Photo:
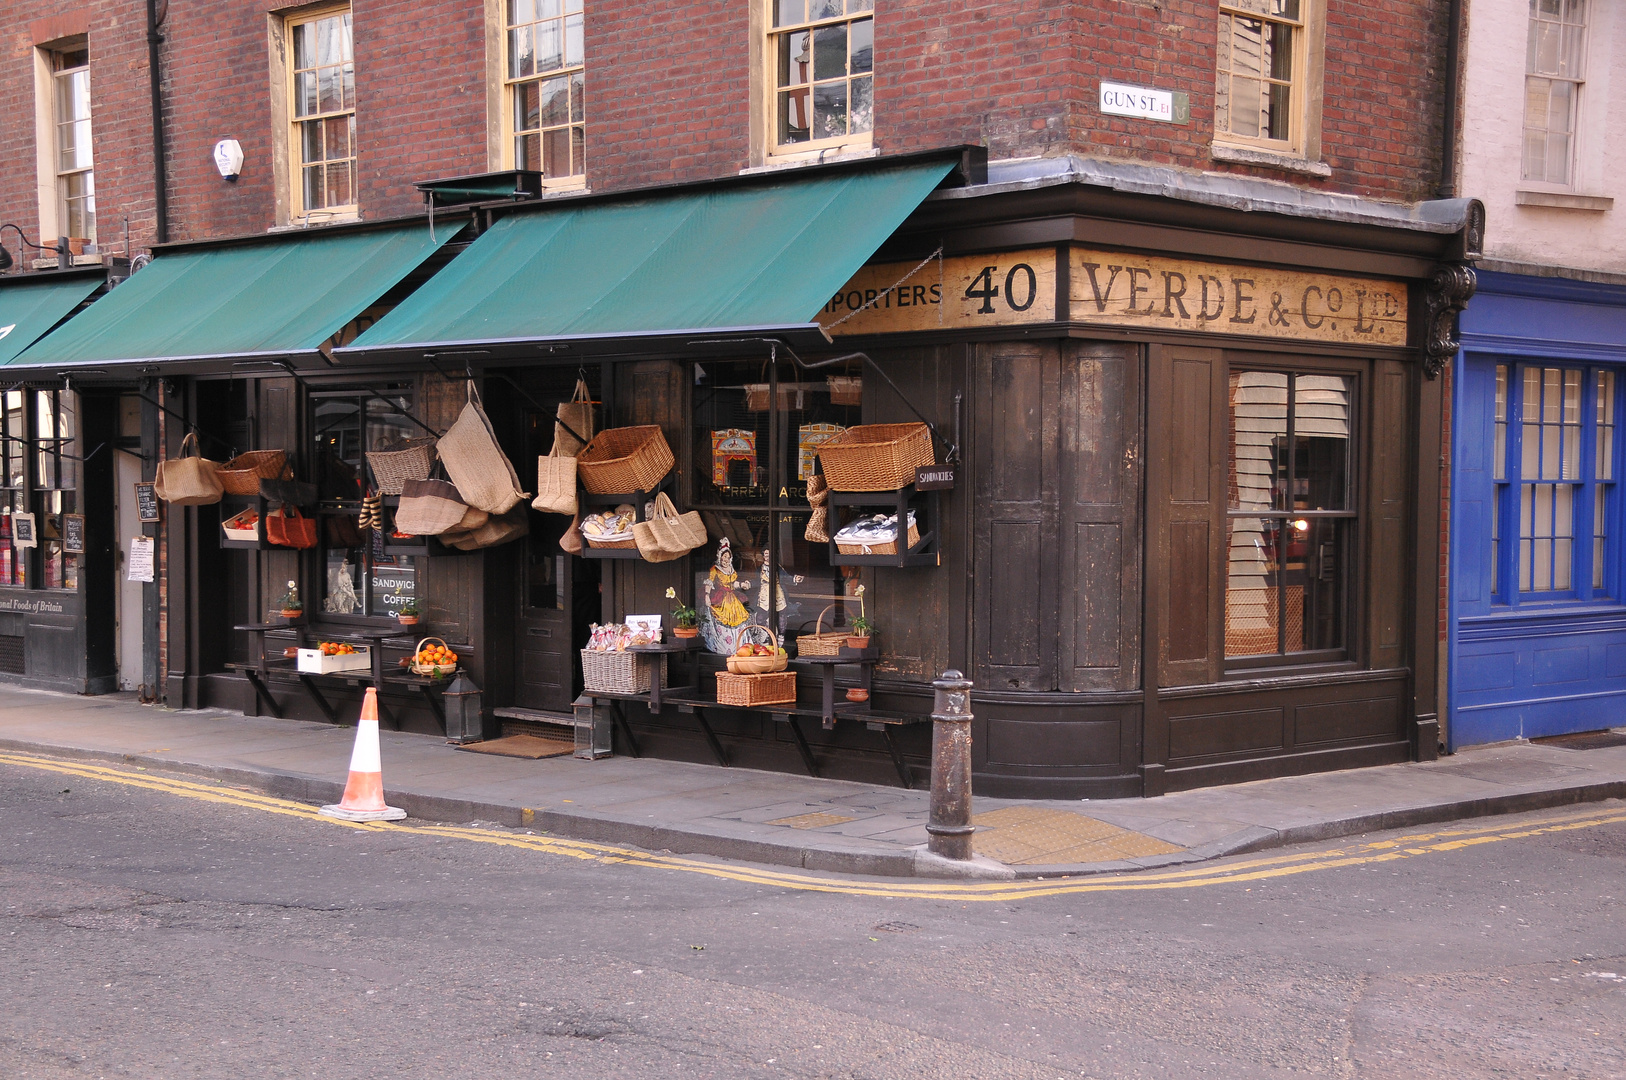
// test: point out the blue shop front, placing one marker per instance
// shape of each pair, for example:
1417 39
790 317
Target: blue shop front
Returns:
1537 632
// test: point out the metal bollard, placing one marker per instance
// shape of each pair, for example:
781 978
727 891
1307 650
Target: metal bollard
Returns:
949 829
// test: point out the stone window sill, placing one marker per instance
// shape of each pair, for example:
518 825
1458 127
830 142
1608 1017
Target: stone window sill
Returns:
1563 200
857 152
1241 155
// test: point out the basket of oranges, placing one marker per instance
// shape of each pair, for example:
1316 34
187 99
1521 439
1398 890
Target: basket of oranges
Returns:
433 657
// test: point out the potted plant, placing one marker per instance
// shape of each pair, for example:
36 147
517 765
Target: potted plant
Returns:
685 622
860 629
292 606
409 613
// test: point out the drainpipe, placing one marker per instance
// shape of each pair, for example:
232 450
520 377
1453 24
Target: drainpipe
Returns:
1448 154
157 11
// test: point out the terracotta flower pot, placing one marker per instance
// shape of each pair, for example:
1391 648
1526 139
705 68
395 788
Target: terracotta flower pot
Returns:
857 694
293 613
407 620
686 631
857 642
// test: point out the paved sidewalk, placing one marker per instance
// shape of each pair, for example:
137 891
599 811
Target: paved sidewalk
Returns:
788 820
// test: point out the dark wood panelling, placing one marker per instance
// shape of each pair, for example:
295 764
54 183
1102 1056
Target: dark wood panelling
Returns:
1058 744
1368 718
1387 574
1098 462
1211 734
1015 484
1186 419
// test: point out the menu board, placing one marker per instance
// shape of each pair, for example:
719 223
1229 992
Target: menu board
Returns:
73 534
146 502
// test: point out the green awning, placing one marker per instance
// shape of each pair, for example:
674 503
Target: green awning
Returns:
740 255
275 297
30 306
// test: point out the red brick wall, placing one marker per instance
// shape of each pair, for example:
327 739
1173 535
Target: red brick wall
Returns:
668 99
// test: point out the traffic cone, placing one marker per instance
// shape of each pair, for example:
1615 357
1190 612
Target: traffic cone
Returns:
364 790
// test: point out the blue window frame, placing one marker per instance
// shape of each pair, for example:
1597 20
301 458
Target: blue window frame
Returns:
1554 466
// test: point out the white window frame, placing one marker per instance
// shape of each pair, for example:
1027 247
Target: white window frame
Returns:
1577 81
766 148
286 152
506 84
49 174
1303 142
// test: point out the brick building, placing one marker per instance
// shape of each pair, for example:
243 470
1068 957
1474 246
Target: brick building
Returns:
1168 281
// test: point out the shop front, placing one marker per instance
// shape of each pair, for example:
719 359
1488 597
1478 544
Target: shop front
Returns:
1537 631
1150 467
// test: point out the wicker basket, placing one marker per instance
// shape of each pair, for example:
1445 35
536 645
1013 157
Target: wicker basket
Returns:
393 468
748 691
620 672
790 397
624 460
757 665
876 457
821 642
431 669
845 389
243 473
888 548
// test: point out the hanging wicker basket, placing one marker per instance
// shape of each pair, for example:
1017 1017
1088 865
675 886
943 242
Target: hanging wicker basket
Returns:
243 473
624 460
393 468
876 457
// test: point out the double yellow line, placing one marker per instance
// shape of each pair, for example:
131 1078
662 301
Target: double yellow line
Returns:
1244 870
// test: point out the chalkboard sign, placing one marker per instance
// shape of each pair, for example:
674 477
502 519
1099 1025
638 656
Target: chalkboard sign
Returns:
22 531
146 502
73 534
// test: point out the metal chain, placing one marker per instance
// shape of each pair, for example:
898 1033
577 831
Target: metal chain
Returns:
866 305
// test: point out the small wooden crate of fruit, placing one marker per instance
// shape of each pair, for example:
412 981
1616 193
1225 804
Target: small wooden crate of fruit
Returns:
331 656
244 525
434 658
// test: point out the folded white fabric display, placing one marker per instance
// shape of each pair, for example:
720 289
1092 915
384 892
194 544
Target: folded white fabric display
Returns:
872 529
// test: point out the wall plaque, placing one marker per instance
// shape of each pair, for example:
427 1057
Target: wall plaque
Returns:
1224 298
1010 288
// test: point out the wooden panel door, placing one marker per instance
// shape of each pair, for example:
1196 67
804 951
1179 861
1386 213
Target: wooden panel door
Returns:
1014 526
1186 442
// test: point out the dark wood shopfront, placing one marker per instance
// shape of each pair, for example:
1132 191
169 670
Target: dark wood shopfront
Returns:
1180 549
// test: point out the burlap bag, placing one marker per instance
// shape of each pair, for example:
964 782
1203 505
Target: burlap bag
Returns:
428 508
188 480
575 415
555 483
484 476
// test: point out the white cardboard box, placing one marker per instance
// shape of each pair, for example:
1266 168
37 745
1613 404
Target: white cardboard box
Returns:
312 662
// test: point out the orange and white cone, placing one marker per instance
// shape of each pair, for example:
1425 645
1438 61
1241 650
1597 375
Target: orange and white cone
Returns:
364 790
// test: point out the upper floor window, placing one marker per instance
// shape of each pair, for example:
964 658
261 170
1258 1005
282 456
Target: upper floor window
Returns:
545 77
822 56
1553 468
1260 90
1555 65
323 87
73 165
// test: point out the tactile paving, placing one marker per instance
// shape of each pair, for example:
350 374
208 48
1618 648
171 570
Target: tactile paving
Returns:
1026 835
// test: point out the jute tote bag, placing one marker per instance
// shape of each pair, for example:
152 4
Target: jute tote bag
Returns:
484 476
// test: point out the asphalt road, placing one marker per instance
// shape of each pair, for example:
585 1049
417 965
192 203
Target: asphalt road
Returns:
152 934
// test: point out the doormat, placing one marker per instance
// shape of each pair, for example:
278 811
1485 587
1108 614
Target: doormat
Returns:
1585 740
523 746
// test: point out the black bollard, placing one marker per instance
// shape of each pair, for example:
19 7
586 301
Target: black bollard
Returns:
949 830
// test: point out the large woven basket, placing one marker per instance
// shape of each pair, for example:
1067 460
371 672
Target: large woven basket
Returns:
821 642
624 460
888 548
242 474
876 457
621 672
748 691
393 468
845 389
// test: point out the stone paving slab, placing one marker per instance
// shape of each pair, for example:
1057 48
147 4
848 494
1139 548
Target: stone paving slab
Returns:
704 809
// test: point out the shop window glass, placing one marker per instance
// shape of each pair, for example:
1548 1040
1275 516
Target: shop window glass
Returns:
14 500
1554 472
739 463
1291 515
56 481
358 577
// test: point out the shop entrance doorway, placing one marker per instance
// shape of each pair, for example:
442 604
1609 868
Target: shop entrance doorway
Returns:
558 596
129 615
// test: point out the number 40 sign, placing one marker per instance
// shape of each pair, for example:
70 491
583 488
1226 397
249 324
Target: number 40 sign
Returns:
969 290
